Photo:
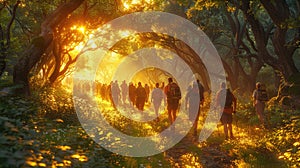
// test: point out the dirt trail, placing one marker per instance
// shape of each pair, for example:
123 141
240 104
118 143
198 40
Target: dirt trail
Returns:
188 153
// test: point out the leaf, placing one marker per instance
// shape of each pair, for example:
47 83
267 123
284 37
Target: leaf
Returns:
59 120
5 118
9 125
11 138
31 163
4 154
18 155
296 144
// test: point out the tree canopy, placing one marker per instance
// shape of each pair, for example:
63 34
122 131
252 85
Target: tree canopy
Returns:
45 79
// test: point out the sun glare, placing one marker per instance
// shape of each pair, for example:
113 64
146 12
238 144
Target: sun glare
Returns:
79 28
126 6
79 47
82 29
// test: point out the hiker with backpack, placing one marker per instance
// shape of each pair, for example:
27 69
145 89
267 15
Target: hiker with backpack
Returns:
173 93
259 97
228 110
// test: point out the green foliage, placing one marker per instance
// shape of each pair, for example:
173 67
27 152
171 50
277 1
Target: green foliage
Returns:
14 138
285 138
267 76
295 81
265 146
29 139
5 80
56 103
42 131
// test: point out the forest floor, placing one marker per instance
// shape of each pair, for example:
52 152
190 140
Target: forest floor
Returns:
33 137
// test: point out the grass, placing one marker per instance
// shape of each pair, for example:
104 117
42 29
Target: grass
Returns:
35 134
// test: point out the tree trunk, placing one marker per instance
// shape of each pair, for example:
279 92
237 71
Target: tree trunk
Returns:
38 46
5 40
29 58
279 13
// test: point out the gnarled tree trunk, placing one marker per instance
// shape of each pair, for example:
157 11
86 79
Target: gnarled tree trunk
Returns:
38 46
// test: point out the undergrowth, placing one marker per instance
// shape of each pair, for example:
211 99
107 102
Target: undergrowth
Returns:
43 131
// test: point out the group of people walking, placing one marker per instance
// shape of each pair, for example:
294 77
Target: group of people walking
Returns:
138 95
259 97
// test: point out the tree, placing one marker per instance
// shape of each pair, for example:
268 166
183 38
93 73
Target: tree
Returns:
262 32
5 31
278 33
59 58
38 45
151 39
227 30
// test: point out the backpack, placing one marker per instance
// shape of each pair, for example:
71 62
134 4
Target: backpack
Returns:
173 91
229 98
262 93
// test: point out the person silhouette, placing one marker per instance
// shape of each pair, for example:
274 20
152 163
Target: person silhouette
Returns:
124 91
228 110
157 95
140 97
192 104
132 94
173 94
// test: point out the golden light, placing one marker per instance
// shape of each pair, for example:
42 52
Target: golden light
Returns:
79 47
42 165
129 4
31 163
124 33
126 5
92 44
81 29
67 162
74 27
63 148
81 158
